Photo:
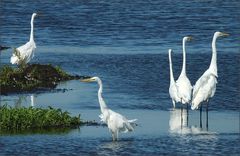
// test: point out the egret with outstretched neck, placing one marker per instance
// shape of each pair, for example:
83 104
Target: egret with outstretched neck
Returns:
205 87
173 92
23 54
116 122
183 84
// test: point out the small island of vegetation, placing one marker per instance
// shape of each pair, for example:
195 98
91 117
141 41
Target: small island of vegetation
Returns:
19 119
32 77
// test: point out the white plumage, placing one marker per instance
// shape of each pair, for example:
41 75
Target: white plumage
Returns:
116 122
173 92
205 86
24 53
184 86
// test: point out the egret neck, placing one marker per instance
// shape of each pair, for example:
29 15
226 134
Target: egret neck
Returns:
183 72
103 106
213 65
31 34
170 66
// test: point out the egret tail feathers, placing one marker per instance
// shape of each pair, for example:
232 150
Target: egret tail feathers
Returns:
14 59
133 120
128 127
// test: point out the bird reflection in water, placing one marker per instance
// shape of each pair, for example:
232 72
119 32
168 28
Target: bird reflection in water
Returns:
19 101
109 147
23 100
32 97
179 124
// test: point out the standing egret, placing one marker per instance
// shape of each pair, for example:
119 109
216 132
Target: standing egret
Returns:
205 87
23 54
183 84
172 88
116 122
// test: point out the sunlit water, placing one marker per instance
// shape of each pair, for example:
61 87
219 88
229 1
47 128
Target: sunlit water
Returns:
125 43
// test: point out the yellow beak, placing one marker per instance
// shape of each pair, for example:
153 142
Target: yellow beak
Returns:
87 80
225 34
190 38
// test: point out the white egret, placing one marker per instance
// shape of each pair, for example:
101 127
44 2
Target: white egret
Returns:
116 122
205 87
23 54
173 92
183 84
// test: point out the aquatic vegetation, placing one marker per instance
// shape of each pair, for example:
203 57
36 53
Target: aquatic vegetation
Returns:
19 119
32 77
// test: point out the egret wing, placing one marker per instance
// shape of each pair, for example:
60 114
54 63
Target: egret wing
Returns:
205 88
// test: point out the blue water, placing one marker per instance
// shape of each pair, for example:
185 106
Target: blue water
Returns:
125 43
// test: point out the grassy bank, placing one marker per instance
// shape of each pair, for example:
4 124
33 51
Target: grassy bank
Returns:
20 119
32 77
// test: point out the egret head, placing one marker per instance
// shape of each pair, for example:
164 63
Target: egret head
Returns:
187 38
92 79
34 14
169 51
220 34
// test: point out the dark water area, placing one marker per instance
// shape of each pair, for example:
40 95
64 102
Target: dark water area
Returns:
163 145
126 44
136 25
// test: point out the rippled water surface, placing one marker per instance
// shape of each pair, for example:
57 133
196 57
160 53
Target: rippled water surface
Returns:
125 43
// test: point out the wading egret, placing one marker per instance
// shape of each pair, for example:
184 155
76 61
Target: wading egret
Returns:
183 84
23 54
116 122
205 86
172 88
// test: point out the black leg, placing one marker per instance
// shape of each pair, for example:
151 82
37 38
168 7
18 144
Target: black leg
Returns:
207 117
201 116
181 116
187 115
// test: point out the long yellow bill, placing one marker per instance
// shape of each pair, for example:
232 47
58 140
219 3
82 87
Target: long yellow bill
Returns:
225 34
87 80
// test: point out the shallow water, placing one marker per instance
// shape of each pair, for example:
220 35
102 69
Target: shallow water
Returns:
126 45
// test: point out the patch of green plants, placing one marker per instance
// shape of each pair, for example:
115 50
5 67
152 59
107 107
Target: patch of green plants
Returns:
21 119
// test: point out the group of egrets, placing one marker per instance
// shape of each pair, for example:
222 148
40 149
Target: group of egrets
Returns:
180 91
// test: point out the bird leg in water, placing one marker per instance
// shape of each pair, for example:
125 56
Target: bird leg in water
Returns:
201 116
115 136
181 116
187 114
173 104
207 116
